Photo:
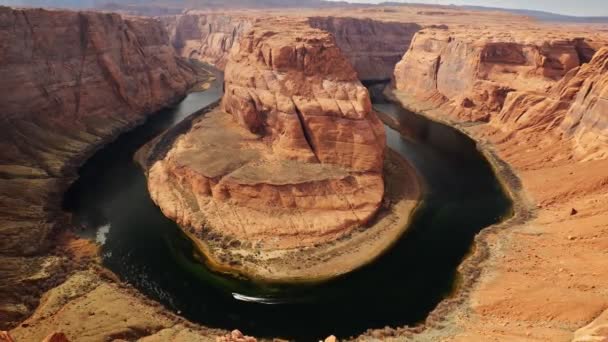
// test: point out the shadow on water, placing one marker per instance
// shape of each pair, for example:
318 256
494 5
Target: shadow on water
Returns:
147 250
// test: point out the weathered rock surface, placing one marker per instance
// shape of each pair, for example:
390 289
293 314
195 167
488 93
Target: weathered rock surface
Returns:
207 37
70 82
373 47
470 73
575 107
297 89
293 158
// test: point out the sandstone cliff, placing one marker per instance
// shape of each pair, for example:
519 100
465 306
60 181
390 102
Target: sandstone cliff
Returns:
469 73
70 82
373 47
297 88
575 107
293 159
204 36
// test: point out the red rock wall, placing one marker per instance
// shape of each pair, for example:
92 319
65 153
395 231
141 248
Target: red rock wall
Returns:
206 37
514 81
294 85
70 82
575 107
469 74
373 47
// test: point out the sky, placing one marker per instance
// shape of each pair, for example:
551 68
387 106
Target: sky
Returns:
567 7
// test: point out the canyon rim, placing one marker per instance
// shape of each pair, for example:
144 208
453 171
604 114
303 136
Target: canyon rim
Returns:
296 139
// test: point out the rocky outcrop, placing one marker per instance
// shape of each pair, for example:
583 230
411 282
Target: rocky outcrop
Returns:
303 94
469 74
587 117
71 81
574 107
206 37
373 47
293 158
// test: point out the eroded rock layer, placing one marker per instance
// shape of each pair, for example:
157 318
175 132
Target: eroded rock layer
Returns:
373 47
575 107
204 36
70 82
470 73
297 89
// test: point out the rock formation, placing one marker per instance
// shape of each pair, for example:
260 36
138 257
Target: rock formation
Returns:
297 88
469 74
204 36
306 143
293 159
373 47
575 107
71 81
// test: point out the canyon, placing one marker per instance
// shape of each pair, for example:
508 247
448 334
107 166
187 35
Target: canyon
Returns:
532 95
71 82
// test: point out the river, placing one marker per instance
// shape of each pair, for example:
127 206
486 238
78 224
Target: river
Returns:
462 196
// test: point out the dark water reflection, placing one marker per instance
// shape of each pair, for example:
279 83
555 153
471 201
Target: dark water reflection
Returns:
402 287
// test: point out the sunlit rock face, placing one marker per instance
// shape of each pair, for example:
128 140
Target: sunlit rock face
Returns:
293 157
302 92
470 73
373 47
575 107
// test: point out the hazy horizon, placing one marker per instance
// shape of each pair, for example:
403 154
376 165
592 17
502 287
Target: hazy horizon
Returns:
591 8
565 7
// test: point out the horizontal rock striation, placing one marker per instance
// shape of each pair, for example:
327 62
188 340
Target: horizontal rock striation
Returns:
575 107
469 73
70 82
516 83
587 117
548 124
373 47
206 37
